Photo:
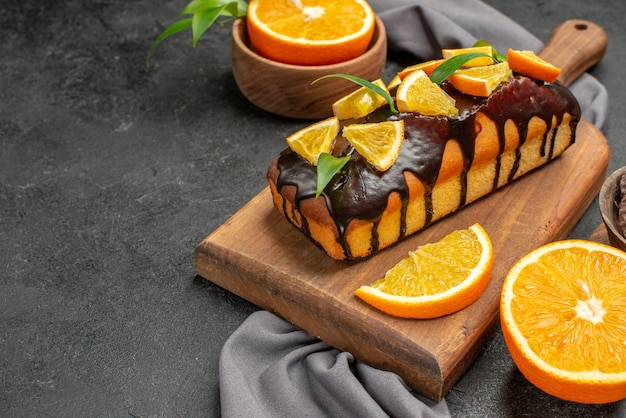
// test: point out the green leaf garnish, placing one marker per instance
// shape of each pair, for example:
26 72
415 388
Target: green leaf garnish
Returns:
496 55
176 27
449 66
203 14
327 166
233 7
201 21
364 83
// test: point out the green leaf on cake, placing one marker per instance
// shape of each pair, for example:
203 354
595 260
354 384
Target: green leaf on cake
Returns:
449 66
327 166
498 56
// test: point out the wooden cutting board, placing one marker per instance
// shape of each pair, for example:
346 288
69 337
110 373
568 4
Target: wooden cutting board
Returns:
259 256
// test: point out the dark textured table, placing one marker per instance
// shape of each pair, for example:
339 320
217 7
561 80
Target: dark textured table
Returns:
111 173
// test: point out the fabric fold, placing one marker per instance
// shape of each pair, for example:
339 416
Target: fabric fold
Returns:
268 367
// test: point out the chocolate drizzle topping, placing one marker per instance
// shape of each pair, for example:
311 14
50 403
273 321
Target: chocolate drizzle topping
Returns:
359 191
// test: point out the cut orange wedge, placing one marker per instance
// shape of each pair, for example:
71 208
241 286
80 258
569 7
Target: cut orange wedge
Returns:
311 141
563 315
529 64
395 82
436 279
418 93
428 67
476 62
359 103
480 81
310 32
379 143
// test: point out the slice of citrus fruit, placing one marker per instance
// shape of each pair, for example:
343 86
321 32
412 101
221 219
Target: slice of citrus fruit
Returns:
311 141
394 82
437 279
480 81
529 64
563 316
310 32
417 93
428 67
379 143
359 103
476 62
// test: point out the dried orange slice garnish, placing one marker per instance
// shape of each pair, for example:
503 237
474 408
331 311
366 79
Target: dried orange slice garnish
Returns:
480 81
529 64
476 62
311 141
417 93
379 143
563 315
436 279
310 32
359 103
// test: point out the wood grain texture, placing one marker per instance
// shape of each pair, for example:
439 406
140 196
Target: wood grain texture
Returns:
575 46
608 200
259 256
287 90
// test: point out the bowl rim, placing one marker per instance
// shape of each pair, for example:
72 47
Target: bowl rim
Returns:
379 39
607 200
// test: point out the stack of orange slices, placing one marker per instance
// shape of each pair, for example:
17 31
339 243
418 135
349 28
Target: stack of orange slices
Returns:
380 143
480 76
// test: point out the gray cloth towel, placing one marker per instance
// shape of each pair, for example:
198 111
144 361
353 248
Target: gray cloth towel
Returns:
268 367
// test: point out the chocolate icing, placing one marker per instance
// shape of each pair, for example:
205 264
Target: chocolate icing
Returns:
359 191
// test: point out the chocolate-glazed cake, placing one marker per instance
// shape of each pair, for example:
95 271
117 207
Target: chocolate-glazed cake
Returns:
445 163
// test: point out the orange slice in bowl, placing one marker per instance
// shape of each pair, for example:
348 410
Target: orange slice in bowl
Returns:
314 32
563 316
437 279
529 64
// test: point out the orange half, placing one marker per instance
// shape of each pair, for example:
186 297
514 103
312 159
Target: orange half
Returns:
563 316
310 32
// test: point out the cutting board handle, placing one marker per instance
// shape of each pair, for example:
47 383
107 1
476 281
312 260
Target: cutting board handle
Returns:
575 46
